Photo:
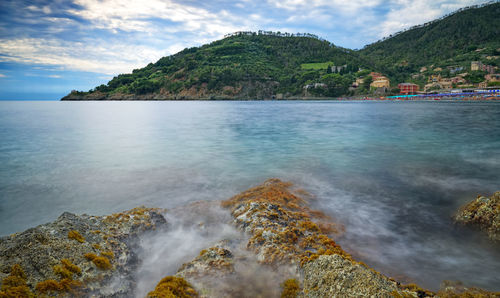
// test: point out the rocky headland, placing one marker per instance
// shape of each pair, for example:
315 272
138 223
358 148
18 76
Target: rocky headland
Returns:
283 248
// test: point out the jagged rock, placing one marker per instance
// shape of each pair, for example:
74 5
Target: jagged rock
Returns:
282 238
216 260
483 212
334 276
227 270
285 230
91 243
282 227
451 289
209 269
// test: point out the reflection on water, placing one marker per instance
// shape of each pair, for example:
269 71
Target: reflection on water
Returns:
392 172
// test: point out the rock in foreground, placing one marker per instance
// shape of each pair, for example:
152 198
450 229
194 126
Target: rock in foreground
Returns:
76 255
282 246
296 243
288 244
332 275
484 213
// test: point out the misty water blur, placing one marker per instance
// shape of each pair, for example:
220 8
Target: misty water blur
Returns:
190 230
392 172
199 226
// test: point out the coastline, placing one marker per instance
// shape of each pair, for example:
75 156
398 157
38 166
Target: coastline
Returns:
277 237
449 99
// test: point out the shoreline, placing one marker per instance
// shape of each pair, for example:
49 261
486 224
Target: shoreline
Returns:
340 99
275 234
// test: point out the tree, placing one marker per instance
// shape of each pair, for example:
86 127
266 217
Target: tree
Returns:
475 77
366 82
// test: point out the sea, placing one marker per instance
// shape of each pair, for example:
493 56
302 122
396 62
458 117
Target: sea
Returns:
393 173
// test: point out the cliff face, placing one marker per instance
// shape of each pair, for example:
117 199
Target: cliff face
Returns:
241 91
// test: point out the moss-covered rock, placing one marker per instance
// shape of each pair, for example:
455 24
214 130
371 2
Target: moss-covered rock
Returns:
283 229
484 213
291 288
451 289
14 285
334 276
208 270
53 255
173 287
216 260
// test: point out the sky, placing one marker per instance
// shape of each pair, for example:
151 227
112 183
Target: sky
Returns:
50 47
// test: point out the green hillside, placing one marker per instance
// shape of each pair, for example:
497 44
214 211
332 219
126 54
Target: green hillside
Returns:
465 36
258 65
245 65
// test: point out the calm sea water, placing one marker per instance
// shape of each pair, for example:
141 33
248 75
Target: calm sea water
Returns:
392 172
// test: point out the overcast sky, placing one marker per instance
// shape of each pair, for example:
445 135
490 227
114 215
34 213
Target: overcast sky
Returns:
49 47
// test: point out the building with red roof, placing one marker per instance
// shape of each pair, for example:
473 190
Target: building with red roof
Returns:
408 88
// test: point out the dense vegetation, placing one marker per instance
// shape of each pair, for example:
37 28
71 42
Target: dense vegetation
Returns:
256 65
456 39
265 64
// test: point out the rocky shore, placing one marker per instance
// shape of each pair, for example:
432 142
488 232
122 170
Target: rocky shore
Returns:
284 248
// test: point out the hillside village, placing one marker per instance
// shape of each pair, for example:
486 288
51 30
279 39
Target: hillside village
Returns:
429 79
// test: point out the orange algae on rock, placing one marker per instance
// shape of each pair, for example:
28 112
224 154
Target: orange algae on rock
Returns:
90 256
52 286
108 254
48 286
291 288
75 235
172 286
67 284
282 226
100 261
62 271
138 214
415 288
15 285
273 190
67 269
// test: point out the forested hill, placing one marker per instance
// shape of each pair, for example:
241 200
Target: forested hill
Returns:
244 65
450 37
263 65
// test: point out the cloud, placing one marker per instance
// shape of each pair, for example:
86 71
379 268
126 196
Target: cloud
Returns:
137 15
2 76
113 36
106 58
44 9
346 6
116 36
